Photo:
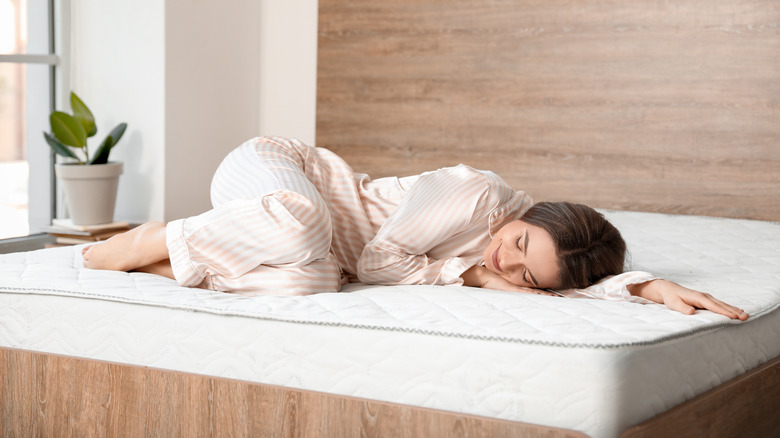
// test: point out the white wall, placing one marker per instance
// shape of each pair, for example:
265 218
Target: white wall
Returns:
117 68
192 79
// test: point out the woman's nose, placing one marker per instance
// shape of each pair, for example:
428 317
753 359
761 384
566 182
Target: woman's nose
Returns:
512 262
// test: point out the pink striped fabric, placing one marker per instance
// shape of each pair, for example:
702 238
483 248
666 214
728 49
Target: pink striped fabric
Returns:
293 219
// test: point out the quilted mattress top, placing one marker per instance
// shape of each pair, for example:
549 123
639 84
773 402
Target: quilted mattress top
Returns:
737 261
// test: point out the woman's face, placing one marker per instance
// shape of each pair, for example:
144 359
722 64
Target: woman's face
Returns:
523 254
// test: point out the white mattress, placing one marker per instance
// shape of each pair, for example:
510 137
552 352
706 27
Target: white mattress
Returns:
588 365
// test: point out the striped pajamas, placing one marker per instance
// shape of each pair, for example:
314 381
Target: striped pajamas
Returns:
294 219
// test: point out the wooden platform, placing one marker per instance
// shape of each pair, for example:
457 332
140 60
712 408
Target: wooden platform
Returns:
52 395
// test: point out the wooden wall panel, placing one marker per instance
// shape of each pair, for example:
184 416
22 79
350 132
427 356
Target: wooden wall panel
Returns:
642 105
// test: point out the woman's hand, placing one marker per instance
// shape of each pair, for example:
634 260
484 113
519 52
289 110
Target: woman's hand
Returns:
684 300
479 276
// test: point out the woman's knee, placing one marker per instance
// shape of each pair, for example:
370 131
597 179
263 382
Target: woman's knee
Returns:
241 174
261 166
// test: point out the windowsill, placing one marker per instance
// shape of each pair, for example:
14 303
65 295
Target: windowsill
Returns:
27 243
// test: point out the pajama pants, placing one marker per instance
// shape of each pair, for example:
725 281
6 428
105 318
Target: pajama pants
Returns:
268 233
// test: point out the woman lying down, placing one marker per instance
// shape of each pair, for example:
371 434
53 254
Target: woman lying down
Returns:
294 219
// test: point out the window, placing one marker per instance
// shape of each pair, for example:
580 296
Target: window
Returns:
27 64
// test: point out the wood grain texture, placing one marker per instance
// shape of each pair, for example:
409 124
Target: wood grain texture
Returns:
745 406
645 105
50 395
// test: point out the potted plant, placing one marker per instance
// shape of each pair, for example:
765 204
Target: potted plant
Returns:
90 181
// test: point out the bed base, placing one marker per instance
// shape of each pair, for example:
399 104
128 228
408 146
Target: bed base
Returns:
747 405
54 395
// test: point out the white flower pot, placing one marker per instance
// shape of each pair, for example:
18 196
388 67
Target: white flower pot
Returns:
90 191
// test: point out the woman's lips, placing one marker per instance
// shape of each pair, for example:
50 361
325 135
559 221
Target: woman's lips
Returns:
495 259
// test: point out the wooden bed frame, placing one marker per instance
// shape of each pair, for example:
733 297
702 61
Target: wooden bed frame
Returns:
653 106
52 395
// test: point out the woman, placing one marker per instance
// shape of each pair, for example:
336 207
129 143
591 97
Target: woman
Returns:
294 219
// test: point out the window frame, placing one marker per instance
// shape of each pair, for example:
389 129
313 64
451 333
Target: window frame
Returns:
58 24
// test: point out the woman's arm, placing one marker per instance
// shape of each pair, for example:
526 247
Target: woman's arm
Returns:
645 288
641 286
449 205
682 299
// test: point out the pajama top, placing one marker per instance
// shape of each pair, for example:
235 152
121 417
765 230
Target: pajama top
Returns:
422 229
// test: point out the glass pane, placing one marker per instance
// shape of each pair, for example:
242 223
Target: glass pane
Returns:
14 170
24 27
24 156
25 172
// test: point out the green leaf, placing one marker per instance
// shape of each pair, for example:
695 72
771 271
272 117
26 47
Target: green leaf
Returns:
83 115
101 156
58 147
117 133
67 130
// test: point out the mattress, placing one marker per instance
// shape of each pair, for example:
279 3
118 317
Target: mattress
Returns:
587 365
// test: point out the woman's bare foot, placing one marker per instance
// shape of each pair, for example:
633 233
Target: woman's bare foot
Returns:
141 246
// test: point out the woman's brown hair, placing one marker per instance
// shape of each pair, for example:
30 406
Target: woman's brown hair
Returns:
588 246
